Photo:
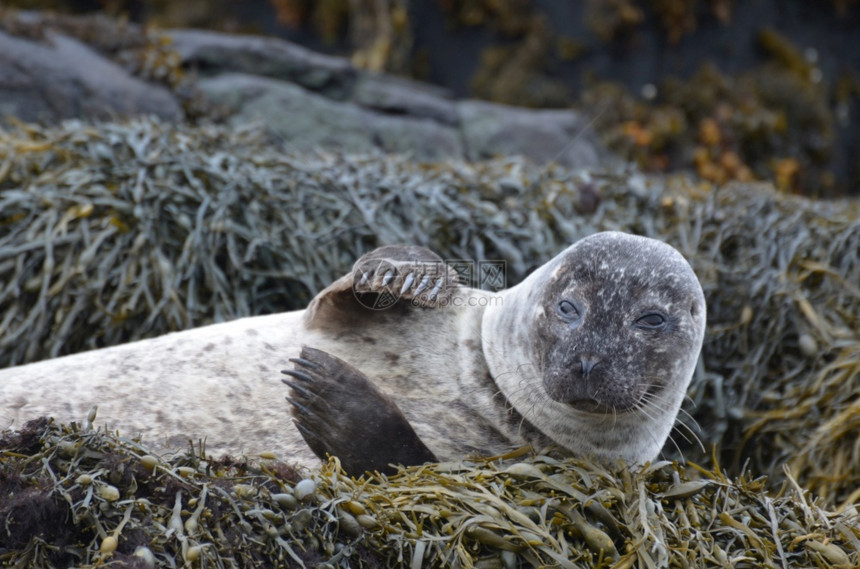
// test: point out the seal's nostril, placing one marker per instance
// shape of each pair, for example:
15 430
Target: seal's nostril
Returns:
587 364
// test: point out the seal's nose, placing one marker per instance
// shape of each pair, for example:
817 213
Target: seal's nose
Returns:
587 363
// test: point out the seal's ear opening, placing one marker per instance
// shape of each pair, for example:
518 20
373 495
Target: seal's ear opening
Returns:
332 305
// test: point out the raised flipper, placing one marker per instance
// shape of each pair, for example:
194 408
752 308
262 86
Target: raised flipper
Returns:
338 411
390 277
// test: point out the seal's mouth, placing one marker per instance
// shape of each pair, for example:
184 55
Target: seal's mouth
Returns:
602 397
595 407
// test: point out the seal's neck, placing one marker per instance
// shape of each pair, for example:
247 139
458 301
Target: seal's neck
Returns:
507 325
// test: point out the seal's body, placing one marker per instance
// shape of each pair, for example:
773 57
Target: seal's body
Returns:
223 383
218 382
592 352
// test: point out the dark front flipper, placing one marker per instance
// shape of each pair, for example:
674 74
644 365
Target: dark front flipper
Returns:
387 278
340 412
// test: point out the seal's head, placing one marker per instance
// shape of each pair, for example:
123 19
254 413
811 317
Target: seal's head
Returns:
602 345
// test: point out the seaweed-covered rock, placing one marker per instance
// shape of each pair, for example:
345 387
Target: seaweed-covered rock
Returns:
116 231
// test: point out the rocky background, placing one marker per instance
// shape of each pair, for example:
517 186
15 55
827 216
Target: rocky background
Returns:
743 91
59 67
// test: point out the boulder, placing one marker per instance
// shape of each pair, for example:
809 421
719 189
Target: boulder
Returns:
211 53
307 120
60 78
316 100
399 96
562 136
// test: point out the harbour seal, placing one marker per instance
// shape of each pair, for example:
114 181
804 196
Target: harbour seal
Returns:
592 352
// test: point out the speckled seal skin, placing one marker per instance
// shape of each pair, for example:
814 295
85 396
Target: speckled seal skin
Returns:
615 327
592 352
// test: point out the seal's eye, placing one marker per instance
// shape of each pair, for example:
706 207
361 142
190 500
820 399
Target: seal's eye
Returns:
568 311
652 321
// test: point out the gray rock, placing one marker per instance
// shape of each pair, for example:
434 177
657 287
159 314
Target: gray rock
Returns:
310 99
396 95
211 53
422 139
391 113
561 136
308 120
305 120
61 78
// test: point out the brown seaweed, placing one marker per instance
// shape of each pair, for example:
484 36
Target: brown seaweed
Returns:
94 499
